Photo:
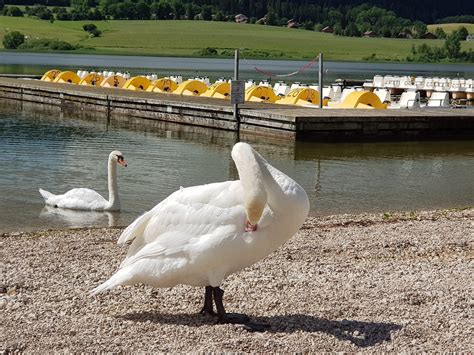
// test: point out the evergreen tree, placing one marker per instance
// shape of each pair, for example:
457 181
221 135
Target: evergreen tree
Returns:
272 19
178 9
191 10
462 33
439 32
206 12
452 45
419 29
143 11
162 10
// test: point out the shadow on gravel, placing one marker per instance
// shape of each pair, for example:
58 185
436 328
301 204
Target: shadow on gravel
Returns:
362 334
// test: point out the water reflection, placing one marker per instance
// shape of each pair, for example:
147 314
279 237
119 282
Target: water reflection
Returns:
74 219
43 146
382 150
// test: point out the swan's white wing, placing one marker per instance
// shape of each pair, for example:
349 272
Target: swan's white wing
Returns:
79 199
197 249
185 215
135 229
185 255
190 239
222 194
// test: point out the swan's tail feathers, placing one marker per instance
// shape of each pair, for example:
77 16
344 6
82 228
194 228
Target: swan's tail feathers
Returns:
122 277
46 194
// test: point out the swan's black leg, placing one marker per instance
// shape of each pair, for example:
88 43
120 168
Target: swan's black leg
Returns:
234 318
208 308
221 313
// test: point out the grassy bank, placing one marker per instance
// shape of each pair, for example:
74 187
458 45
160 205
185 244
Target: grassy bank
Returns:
189 38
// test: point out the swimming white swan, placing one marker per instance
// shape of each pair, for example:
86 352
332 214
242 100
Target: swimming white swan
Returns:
87 199
199 235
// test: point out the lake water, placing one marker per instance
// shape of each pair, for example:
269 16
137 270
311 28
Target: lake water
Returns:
39 63
57 151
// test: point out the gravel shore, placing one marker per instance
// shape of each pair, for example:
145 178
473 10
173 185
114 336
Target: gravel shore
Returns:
374 282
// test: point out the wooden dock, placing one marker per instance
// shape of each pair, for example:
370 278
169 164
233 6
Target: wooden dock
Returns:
290 122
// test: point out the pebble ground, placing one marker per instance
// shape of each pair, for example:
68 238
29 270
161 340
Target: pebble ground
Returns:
397 282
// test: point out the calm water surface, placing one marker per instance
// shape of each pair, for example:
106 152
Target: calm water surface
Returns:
39 63
58 151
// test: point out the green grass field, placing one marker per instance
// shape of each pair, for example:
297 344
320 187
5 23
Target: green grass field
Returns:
450 27
187 38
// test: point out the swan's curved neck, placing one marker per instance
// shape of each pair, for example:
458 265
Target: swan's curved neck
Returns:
114 200
262 183
273 181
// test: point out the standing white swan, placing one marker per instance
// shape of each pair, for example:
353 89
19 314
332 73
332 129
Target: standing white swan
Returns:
199 235
87 199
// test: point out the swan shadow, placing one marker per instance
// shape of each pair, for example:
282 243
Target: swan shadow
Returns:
361 334
77 218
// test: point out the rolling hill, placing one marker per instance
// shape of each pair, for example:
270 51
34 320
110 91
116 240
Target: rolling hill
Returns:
191 38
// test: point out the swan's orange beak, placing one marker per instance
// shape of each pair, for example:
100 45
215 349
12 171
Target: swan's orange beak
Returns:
122 162
249 227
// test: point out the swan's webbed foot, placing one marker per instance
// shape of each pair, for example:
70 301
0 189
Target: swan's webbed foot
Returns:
234 318
207 312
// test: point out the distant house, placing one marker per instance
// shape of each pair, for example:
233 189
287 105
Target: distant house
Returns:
470 38
262 21
428 35
292 23
369 34
241 18
328 29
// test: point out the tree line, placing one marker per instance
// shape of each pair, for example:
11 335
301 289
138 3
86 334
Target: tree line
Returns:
344 20
347 20
428 11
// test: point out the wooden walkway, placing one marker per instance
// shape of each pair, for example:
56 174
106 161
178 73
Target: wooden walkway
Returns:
291 122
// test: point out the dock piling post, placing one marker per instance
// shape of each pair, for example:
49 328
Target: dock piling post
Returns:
320 80
236 77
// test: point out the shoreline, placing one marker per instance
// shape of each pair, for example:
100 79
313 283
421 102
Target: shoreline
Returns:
21 58
344 218
105 53
367 282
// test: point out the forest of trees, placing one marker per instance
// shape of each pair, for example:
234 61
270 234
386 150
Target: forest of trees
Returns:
345 20
427 11
457 19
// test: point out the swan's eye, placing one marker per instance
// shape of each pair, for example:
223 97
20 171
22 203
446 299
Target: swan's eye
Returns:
119 158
